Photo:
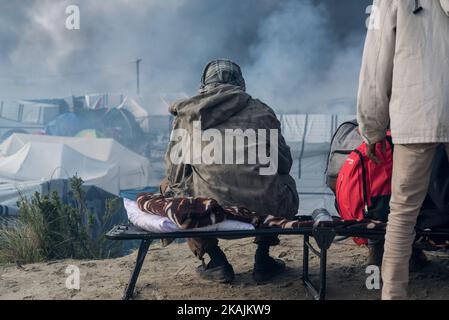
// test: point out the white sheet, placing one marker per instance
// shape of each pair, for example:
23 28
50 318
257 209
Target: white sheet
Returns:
157 224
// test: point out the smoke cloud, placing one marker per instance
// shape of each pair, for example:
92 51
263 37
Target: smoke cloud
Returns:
297 55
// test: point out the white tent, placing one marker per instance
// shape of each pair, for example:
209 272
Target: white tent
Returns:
309 137
29 112
41 161
119 101
100 100
141 115
101 162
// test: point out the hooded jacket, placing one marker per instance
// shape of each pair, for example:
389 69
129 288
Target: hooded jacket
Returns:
229 107
404 80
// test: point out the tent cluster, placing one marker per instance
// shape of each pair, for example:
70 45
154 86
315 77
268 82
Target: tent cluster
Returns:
122 147
104 139
113 116
28 160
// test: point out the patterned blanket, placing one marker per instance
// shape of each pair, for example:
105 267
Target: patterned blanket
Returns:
190 213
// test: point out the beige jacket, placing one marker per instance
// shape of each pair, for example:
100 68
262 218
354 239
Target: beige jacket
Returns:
404 81
222 108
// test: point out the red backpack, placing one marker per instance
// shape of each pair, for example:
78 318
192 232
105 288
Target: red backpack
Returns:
363 188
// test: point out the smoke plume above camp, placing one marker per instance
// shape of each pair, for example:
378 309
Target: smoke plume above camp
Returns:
297 55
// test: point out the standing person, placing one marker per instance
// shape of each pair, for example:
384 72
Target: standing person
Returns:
404 85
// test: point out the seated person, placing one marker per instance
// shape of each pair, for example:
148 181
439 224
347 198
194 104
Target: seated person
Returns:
211 132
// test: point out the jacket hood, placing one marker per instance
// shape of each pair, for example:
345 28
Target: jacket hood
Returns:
213 107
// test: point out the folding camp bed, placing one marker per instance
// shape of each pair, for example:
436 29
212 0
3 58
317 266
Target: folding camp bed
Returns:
324 237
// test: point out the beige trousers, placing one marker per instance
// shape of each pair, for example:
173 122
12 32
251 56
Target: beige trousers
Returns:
412 168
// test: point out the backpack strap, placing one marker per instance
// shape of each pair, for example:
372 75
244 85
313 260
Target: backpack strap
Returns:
390 141
365 190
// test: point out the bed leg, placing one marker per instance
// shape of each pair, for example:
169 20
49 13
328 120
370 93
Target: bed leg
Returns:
305 262
143 250
324 239
323 275
316 294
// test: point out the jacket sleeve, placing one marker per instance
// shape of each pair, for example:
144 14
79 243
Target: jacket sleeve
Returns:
270 120
285 160
376 74
179 176
285 157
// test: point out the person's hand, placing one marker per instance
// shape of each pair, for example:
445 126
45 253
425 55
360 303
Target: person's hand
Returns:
371 150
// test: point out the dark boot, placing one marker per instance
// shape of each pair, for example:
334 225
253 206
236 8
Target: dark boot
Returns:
265 267
218 269
418 260
375 253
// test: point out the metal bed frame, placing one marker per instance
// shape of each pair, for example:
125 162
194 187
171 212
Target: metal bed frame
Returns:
324 237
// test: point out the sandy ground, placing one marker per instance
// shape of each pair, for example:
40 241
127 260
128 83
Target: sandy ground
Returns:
169 273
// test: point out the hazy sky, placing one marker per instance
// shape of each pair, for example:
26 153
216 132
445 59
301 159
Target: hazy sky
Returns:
296 54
